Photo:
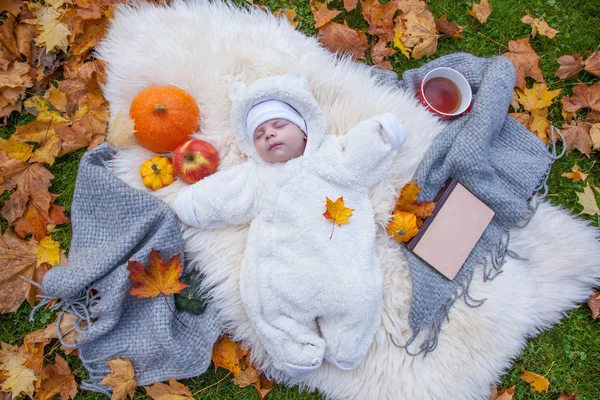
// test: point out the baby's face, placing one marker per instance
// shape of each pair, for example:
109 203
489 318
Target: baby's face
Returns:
279 140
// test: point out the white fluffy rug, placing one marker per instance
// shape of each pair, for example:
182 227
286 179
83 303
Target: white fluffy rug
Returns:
203 48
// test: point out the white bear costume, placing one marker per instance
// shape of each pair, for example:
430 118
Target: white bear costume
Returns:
309 297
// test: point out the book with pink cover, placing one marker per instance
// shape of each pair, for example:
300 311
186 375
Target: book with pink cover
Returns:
448 236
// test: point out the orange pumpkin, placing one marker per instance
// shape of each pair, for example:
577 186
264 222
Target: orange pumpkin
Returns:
164 117
403 226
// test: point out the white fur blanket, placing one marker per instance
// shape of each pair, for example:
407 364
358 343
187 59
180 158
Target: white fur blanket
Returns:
203 48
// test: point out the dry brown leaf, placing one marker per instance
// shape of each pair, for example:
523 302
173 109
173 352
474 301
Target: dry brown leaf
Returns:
12 6
122 378
9 50
322 13
350 5
587 199
593 117
380 52
539 26
525 60
421 35
449 28
35 221
380 18
593 303
18 258
263 386
19 380
583 97
337 37
173 391
481 11
505 394
247 377
523 118
576 174
570 66
67 331
416 6
592 64
577 136
57 379
595 136
13 82
567 396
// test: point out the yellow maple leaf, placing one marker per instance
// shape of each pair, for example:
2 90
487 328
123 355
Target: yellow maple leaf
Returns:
122 379
576 175
54 35
407 201
398 42
537 382
16 149
45 109
536 98
225 355
48 252
539 124
337 212
121 131
19 380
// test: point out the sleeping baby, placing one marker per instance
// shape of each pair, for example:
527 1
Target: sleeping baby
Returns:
310 295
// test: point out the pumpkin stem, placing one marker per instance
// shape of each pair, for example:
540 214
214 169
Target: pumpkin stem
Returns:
160 108
155 169
401 232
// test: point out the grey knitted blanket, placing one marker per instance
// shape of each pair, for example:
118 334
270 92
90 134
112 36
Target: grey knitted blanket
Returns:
113 223
495 158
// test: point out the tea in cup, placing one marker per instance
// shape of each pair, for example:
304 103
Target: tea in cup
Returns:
445 92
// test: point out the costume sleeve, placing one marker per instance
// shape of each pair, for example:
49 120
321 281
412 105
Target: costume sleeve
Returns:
369 148
224 199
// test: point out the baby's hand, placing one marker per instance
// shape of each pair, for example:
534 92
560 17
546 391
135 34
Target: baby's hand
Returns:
391 130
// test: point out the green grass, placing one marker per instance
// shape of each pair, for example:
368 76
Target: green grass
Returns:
569 354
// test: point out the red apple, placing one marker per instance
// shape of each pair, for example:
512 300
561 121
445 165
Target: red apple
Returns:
195 160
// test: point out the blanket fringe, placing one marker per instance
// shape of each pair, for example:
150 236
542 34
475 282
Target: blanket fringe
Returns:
492 267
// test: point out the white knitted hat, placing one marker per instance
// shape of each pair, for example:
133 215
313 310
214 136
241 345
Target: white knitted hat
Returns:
272 109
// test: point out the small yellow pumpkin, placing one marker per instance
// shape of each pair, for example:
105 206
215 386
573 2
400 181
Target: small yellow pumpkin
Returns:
157 172
403 226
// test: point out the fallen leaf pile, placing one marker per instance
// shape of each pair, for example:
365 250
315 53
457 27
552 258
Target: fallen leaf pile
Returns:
408 213
231 356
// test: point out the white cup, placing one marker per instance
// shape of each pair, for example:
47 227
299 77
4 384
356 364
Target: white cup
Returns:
464 90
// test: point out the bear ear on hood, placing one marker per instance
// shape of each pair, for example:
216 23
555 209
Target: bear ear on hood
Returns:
300 77
236 90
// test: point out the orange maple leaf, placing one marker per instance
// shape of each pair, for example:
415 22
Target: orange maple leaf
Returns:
337 212
159 278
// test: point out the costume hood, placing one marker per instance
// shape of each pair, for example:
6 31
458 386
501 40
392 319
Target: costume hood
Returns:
291 88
